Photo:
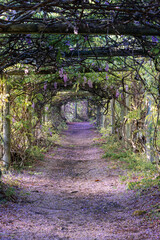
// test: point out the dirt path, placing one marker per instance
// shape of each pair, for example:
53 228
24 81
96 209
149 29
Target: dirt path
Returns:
74 195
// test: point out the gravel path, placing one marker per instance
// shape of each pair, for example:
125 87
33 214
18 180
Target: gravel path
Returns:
75 195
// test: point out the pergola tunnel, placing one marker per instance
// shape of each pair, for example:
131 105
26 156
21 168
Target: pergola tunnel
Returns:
78 108
46 113
63 61
79 119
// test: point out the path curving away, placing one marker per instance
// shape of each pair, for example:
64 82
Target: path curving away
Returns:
75 195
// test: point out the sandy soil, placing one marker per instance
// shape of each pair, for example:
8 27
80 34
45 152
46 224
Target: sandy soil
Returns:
75 195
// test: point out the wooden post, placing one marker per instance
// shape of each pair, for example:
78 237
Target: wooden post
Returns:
1 125
113 116
149 128
7 128
98 117
122 121
103 120
87 106
127 126
76 107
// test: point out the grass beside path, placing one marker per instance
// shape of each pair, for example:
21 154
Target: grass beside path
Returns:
140 175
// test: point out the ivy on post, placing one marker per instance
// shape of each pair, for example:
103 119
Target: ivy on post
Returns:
6 125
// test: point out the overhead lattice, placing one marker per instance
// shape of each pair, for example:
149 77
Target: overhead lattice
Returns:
25 28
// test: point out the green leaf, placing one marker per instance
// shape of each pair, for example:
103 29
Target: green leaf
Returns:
8 116
40 96
58 56
155 51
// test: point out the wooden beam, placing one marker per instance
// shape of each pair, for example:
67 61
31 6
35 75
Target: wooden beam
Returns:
106 52
97 27
51 71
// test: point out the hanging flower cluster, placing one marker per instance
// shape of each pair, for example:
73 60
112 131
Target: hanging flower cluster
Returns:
107 67
55 85
90 84
117 93
64 76
45 86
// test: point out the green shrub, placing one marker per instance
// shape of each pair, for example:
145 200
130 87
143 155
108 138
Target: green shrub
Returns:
141 172
35 153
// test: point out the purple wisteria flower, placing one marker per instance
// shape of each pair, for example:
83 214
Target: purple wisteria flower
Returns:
117 93
68 43
65 78
50 132
85 81
33 105
86 38
75 30
26 71
45 86
28 38
50 48
154 39
55 85
61 72
107 67
90 83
